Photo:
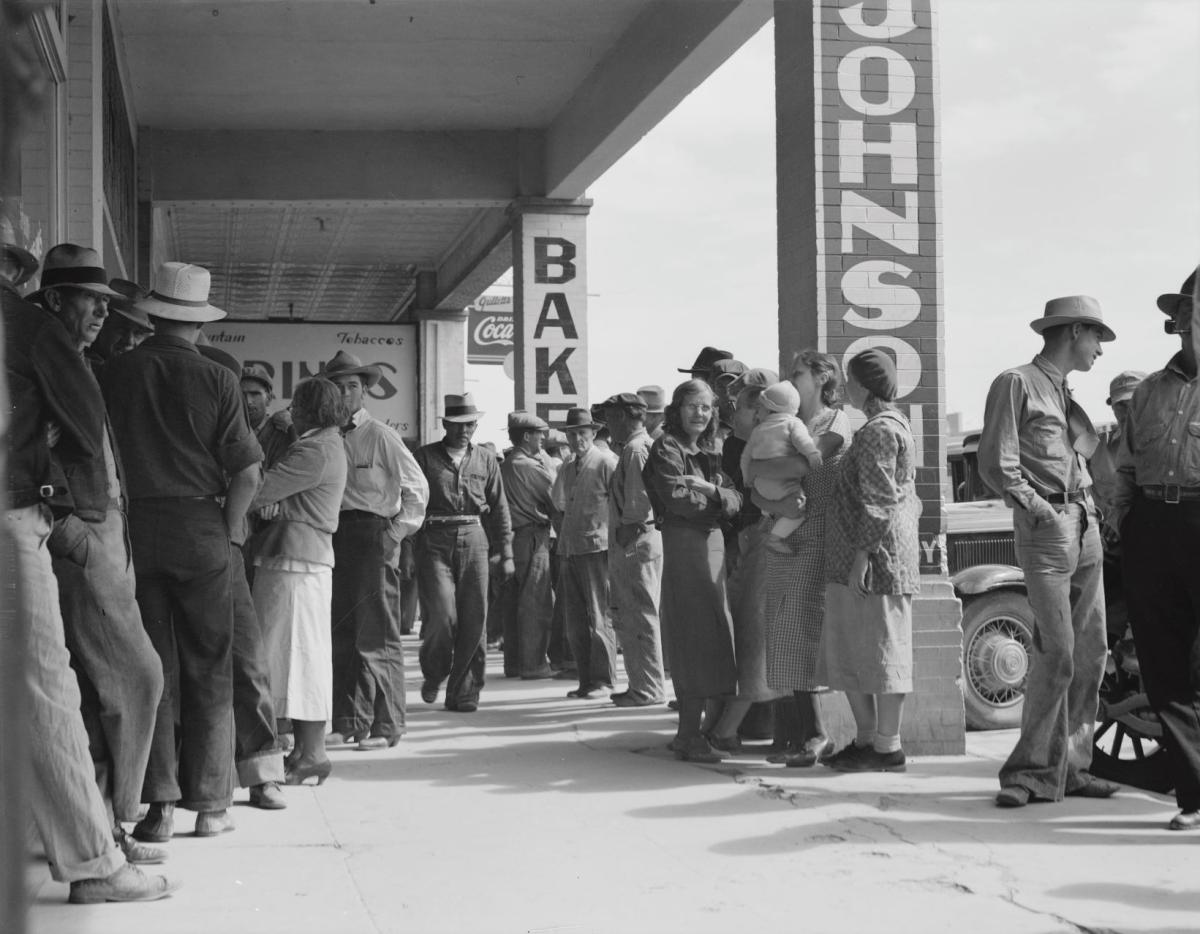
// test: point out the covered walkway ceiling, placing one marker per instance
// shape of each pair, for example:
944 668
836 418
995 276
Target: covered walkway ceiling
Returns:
318 154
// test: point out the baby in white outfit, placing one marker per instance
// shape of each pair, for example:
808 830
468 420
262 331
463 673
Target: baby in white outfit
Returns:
779 433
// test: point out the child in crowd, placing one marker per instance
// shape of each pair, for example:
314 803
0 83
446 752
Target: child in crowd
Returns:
779 433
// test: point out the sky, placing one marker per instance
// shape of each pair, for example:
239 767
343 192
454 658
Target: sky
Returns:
1070 135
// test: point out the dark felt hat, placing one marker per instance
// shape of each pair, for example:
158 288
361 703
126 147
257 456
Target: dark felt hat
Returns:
346 364
128 293
578 417
460 408
1168 302
705 360
78 267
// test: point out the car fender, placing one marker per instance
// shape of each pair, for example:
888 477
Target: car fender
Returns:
984 578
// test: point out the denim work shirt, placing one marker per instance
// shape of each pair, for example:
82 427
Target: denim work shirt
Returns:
1162 436
1029 448
471 487
628 501
382 475
581 495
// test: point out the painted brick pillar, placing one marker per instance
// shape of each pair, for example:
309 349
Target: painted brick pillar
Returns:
550 306
860 261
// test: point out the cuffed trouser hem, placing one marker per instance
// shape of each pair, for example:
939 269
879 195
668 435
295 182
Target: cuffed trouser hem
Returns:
260 767
1033 786
205 805
99 868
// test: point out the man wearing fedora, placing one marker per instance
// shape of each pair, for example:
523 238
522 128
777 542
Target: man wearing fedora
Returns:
193 467
581 495
656 409
124 328
1033 452
467 531
383 504
527 601
1156 511
45 372
119 672
634 555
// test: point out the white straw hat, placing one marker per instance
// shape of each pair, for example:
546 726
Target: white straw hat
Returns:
180 293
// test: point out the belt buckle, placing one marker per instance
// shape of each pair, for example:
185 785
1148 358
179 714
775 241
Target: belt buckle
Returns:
1171 493
46 490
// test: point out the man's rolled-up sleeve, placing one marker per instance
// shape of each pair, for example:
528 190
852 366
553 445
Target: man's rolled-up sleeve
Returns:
237 447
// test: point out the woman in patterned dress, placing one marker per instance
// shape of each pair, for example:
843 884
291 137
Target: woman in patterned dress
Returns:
691 499
871 569
795 583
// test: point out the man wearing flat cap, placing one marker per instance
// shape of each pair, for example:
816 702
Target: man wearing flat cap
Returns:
527 599
72 797
467 532
258 392
383 504
581 495
634 555
193 467
1156 510
1033 452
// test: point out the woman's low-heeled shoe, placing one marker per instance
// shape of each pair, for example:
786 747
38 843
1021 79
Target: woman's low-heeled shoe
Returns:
699 749
298 774
810 754
1185 820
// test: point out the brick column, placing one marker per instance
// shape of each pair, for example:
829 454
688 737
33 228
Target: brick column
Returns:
860 260
550 305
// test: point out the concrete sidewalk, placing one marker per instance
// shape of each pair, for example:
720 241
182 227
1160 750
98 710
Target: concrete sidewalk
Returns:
540 814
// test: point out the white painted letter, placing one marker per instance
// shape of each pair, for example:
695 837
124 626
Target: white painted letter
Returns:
897 20
898 305
901 150
898 230
901 81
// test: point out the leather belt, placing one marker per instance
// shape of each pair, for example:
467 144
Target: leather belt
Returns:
439 521
1171 492
23 499
353 514
1072 496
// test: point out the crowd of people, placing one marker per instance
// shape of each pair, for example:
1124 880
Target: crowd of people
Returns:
214 593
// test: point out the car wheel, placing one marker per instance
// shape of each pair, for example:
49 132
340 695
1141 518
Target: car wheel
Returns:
1127 746
997 635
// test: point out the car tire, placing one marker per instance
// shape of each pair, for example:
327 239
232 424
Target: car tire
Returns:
997 635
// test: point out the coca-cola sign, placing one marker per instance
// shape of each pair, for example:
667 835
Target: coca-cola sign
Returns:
490 329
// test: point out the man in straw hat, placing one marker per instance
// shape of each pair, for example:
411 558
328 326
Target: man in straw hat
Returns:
1033 451
383 504
527 600
45 372
467 530
1156 510
581 495
193 467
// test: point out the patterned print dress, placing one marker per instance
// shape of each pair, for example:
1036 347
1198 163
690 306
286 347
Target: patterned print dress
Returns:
795 583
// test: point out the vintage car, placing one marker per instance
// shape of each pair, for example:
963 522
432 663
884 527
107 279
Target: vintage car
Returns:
998 632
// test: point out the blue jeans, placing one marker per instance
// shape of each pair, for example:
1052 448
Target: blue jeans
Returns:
635 576
1063 561
67 808
183 559
590 634
452 581
120 674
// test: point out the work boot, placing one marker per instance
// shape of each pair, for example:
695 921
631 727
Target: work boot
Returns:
211 823
267 796
127 884
158 826
139 853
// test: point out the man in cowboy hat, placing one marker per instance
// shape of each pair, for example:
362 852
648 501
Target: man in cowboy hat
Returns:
193 467
581 495
467 530
120 673
527 600
1156 509
383 504
1033 451
656 408
703 367
634 555
75 823
125 327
